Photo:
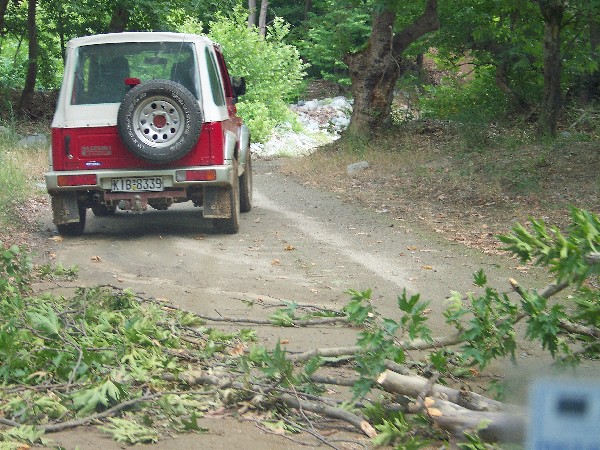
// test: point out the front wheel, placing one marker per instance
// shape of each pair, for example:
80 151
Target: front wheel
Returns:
231 225
102 210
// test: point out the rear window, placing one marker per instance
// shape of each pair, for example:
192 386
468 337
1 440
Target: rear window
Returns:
101 70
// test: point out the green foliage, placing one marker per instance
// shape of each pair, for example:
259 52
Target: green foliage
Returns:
103 347
99 348
379 336
477 100
489 332
15 272
272 69
563 255
130 432
15 184
397 430
334 29
15 437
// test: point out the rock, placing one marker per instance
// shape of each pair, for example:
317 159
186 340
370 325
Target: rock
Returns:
311 105
34 140
340 123
357 167
340 103
322 122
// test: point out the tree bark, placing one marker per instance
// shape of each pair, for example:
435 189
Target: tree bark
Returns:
375 70
307 7
552 12
252 13
3 8
591 83
32 67
262 18
119 19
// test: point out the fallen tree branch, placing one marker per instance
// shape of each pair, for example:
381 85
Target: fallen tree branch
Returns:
417 344
291 400
592 258
566 325
52 428
295 323
505 426
332 412
413 386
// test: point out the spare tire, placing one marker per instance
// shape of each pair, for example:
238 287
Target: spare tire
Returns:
159 121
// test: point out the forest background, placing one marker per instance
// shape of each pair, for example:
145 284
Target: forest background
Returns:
521 61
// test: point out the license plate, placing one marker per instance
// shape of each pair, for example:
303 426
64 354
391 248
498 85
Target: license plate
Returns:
137 184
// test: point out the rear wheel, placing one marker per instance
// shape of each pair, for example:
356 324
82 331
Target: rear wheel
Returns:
231 225
246 186
104 210
73 228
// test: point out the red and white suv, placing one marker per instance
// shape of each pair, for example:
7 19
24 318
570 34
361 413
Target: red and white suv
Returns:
148 119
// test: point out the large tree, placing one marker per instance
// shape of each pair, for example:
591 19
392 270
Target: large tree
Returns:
375 69
553 12
32 66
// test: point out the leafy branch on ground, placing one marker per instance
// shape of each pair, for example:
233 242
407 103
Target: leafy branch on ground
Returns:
139 365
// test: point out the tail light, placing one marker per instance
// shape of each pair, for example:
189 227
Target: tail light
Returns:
77 180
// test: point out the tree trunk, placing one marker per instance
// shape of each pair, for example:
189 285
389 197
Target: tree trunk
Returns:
262 19
32 67
307 7
252 13
503 83
375 70
3 8
119 19
552 12
591 83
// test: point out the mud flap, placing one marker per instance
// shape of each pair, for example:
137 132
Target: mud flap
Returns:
65 208
217 202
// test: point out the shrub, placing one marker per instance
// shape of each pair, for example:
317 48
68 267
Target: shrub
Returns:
478 100
272 69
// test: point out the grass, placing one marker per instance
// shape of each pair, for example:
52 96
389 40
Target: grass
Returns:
20 170
451 176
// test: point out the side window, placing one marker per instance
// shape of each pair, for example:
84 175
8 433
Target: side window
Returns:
216 86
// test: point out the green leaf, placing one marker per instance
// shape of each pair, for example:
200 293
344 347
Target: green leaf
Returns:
130 432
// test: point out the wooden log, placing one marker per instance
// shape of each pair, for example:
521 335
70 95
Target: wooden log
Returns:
413 386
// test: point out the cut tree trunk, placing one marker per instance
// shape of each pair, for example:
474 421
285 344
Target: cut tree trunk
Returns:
457 411
375 70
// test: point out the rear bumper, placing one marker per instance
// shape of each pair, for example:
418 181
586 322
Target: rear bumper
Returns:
173 178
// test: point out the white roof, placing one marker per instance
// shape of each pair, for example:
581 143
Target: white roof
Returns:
105 114
138 36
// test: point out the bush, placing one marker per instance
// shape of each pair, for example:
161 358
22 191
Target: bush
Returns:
475 101
273 69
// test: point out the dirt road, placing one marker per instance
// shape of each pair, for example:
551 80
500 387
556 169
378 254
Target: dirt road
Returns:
297 244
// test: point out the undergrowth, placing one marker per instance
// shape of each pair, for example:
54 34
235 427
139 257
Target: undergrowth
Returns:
20 168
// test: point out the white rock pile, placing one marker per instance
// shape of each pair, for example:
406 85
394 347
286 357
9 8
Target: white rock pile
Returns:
322 122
